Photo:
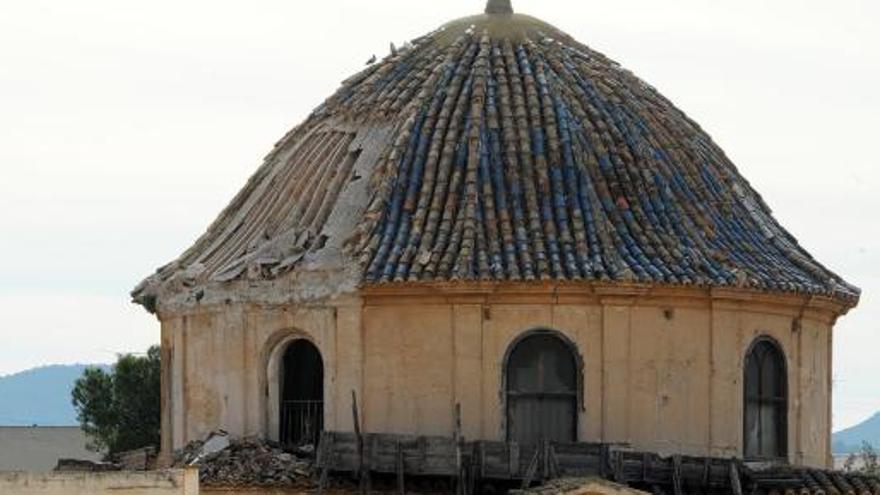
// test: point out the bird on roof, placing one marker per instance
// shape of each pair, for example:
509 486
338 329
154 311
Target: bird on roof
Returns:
502 149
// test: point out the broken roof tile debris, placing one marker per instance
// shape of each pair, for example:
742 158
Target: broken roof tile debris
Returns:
497 148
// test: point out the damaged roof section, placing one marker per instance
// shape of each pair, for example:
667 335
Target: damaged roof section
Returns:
499 149
298 210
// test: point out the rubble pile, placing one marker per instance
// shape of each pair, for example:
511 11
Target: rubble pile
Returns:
245 462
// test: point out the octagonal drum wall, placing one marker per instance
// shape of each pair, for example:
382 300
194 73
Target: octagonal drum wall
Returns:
662 373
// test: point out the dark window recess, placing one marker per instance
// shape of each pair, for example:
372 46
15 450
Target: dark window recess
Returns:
766 403
302 395
353 157
542 391
321 242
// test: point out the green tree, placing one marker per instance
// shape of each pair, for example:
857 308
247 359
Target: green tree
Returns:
119 410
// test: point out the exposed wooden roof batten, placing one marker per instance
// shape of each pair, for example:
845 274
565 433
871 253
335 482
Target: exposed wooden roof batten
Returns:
497 148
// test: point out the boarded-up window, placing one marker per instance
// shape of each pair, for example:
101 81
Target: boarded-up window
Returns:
542 378
766 402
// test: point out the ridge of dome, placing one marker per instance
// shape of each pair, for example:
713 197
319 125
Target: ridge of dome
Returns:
498 27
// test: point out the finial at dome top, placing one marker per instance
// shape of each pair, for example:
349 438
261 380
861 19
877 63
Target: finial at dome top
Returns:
499 7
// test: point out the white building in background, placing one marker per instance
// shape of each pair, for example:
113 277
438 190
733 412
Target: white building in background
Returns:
38 448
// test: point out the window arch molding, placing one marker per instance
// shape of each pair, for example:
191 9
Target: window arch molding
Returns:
765 400
511 349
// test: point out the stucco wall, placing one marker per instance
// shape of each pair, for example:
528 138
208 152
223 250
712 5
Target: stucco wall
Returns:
662 369
172 482
218 361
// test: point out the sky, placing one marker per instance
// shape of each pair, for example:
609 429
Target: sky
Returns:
125 127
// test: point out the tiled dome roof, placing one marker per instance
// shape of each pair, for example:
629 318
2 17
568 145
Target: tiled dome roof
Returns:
499 149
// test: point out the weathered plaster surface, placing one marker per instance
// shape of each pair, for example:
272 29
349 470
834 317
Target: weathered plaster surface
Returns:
662 368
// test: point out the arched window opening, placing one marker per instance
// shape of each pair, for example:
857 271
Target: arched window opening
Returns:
542 381
302 395
766 402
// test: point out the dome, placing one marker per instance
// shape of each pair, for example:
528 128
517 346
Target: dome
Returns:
496 149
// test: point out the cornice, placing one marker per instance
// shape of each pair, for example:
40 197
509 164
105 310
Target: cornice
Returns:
607 294
557 293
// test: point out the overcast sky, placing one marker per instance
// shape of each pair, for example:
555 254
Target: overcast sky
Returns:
126 126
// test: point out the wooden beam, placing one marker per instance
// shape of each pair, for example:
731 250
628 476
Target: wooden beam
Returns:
604 461
545 459
530 472
360 443
401 480
513 459
554 464
707 472
456 437
735 485
619 474
325 451
676 475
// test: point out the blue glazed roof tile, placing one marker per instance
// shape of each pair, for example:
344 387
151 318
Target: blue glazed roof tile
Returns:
514 154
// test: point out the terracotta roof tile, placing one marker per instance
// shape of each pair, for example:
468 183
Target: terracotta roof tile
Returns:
505 151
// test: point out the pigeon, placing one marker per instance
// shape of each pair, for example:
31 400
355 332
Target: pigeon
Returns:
372 60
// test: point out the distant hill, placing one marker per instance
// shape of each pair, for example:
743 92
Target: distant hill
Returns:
40 396
851 439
